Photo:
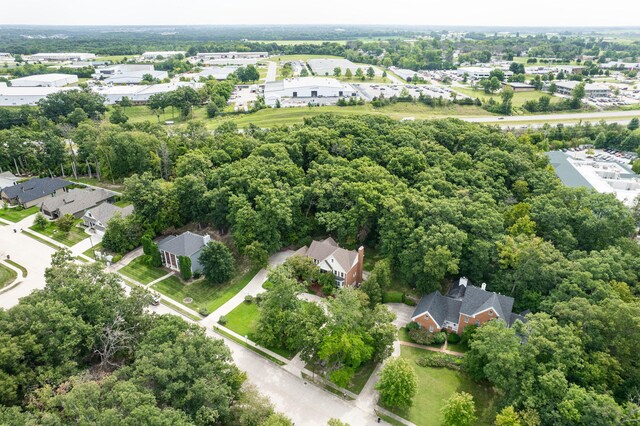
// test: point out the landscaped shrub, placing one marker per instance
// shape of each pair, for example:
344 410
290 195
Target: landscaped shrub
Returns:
440 360
412 326
204 312
328 289
197 275
184 262
342 376
468 332
248 299
453 338
259 297
440 338
421 336
222 320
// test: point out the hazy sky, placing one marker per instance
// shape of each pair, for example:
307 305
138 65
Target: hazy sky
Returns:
397 12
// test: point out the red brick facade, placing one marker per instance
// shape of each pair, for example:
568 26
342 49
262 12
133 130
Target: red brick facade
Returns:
479 319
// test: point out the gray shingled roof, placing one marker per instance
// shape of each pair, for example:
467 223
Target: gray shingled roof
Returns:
35 188
76 200
468 300
184 244
104 212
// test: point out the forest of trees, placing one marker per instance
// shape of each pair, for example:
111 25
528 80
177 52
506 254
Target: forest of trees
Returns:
437 199
82 352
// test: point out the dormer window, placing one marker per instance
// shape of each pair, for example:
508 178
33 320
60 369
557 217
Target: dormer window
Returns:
490 312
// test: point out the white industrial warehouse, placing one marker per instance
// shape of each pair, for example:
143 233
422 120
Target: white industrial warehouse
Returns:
139 94
60 56
303 90
162 55
18 96
45 80
217 73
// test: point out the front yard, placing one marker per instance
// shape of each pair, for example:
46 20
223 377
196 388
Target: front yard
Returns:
71 238
138 270
204 294
16 214
436 385
244 320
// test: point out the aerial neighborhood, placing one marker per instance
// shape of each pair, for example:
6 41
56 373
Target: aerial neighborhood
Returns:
313 225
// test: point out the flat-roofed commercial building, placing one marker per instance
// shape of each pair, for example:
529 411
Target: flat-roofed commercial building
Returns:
478 73
308 89
139 94
45 80
60 56
232 55
18 96
591 90
162 55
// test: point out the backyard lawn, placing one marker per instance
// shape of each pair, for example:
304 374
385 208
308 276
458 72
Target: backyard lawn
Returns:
141 272
6 276
204 294
16 214
436 385
244 320
71 238
519 98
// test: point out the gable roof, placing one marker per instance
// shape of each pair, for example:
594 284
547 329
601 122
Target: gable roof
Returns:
7 179
321 250
464 299
185 244
35 188
105 211
76 200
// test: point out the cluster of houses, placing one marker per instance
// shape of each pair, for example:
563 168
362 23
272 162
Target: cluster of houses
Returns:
57 197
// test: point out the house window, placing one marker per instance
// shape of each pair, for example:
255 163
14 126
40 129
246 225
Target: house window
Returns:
430 329
466 320
490 313
477 322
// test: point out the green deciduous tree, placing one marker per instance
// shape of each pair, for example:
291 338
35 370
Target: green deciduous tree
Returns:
217 262
459 410
397 384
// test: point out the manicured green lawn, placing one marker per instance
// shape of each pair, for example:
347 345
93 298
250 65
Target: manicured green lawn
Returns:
71 238
457 347
6 276
141 272
204 294
436 385
16 214
90 252
519 98
244 320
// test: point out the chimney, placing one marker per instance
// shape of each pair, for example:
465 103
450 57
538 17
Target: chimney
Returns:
483 286
360 264
463 281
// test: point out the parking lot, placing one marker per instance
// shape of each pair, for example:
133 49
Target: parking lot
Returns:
370 91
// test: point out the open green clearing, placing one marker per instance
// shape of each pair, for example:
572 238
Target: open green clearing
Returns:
204 294
16 214
7 276
71 238
112 185
436 385
141 272
244 320
519 98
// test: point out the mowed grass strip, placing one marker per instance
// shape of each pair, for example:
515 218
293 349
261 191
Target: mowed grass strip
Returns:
7 275
138 270
204 294
16 214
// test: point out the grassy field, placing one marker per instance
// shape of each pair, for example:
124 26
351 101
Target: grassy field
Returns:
7 276
302 57
141 272
71 238
292 42
204 294
519 98
16 214
436 385
288 116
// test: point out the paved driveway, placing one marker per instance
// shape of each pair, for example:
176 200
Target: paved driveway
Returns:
271 72
27 252
403 313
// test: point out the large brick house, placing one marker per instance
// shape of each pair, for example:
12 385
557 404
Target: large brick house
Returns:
186 244
345 265
464 304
